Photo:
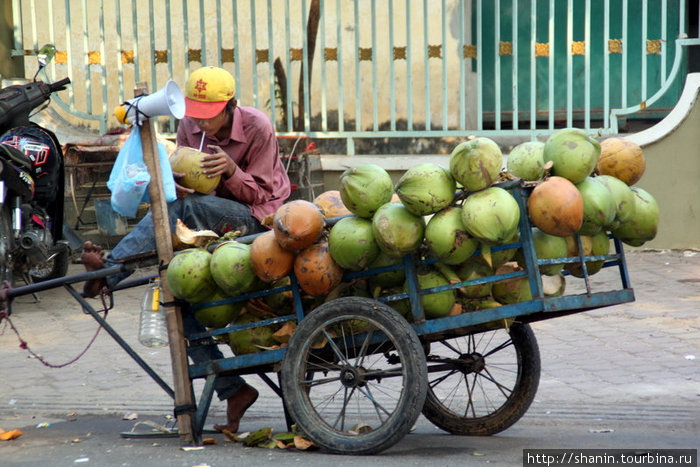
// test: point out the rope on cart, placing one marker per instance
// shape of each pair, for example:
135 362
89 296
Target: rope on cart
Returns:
23 344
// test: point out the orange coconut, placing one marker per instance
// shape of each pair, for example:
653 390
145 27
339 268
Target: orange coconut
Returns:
622 159
268 259
331 204
316 270
297 224
555 207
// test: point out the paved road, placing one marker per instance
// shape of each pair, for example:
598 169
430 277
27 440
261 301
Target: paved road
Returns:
620 377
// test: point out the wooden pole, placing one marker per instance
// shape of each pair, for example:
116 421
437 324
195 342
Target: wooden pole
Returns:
164 245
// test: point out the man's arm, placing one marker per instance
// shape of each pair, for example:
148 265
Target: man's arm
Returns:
253 181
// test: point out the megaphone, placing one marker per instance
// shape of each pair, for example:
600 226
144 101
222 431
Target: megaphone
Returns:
167 101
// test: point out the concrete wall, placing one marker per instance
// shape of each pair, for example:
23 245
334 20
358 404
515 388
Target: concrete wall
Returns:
672 176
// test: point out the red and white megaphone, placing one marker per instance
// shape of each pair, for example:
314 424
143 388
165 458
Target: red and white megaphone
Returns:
167 101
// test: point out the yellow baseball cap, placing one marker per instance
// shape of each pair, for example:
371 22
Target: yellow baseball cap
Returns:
208 90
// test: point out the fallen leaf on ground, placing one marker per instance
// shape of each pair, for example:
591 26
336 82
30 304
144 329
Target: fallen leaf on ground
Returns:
10 434
234 436
302 444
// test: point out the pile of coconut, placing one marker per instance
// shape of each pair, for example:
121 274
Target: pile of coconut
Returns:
460 217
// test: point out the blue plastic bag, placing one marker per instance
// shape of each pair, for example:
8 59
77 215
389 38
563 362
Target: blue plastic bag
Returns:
129 178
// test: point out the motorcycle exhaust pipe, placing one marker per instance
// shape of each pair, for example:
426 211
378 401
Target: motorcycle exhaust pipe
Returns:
31 244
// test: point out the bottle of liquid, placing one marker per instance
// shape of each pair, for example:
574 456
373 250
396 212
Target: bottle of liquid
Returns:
153 330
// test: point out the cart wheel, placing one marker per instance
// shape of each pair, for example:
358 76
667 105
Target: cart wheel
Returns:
354 376
481 384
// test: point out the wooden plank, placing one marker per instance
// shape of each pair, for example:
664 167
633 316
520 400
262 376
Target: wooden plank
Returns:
164 246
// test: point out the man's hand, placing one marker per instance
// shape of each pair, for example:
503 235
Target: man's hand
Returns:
218 163
180 190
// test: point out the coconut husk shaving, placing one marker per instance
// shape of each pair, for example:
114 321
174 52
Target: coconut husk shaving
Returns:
184 237
283 334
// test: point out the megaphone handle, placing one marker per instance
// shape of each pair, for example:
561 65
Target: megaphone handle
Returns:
139 116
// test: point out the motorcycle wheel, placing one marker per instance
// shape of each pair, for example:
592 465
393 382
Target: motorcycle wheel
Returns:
56 267
5 241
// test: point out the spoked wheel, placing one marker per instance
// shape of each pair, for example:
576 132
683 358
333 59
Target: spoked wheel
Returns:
55 267
481 384
354 376
5 244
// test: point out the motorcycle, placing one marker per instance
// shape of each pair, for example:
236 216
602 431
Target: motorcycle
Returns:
31 184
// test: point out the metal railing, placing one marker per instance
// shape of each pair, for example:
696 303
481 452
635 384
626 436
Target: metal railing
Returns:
375 69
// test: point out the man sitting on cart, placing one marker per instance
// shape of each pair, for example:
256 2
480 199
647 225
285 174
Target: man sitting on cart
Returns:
243 150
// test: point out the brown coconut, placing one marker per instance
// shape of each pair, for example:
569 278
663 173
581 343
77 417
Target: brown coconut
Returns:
297 224
316 271
331 204
622 159
268 259
556 207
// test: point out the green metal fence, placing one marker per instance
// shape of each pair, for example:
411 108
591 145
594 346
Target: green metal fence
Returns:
375 69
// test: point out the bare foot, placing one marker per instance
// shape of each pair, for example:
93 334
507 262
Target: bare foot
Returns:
236 407
92 259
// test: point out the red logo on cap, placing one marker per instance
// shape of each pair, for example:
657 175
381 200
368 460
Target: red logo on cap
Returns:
201 86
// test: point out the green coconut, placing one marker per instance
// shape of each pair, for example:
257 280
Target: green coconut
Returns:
281 303
574 154
598 206
189 277
351 243
476 163
426 189
623 196
472 269
218 316
546 247
231 269
501 255
251 340
389 278
474 304
435 305
553 286
491 215
600 245
363 189
188 161
396 230
645 223
526 160
446 237
513 290
403 306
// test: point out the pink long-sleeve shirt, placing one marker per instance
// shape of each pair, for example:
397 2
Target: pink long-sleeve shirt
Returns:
260 181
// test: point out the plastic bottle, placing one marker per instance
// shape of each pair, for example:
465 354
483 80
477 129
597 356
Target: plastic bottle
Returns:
153 330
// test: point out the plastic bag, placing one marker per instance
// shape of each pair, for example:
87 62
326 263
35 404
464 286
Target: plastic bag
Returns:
129 178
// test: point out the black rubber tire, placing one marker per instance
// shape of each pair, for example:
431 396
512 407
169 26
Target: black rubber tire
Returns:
57 267
332 390
5 243
482 400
